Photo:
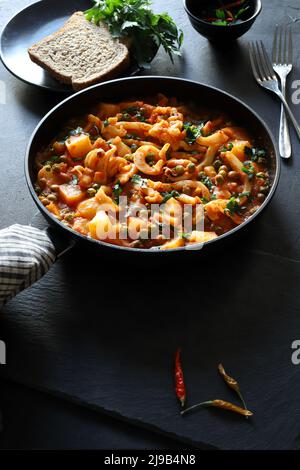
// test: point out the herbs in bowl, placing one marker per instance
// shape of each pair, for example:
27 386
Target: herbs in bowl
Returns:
227 13
222 19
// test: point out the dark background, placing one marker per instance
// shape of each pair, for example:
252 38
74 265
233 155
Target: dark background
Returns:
241 307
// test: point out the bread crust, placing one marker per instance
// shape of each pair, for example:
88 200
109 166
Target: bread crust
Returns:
78 18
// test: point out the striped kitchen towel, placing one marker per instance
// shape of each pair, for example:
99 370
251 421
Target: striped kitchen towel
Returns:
26 254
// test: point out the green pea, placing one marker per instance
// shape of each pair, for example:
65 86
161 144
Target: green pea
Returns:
219 179
234 175
223 173
223 168
179 170
91 192
217 164
261 175
191 167
261 197
45 201
56 168
69 217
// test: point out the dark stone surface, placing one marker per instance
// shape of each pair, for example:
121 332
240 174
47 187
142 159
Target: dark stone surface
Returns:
103 334
35 420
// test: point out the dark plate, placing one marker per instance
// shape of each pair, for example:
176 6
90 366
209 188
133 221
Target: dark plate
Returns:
121 89
31 25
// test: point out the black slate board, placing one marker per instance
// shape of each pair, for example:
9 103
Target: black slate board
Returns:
94 332
37 420
114 350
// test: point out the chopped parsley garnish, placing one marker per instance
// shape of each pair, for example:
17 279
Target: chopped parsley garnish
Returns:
52 160
55 158
185 236
260 154
134 112
76 131
245 194
248 168
167 196
255 154
125 116
207 181
261 176
233 205
74 180
193 131
117 191
73 132
227 147
137 179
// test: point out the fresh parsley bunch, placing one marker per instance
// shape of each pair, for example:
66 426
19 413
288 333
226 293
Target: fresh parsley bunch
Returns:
146 31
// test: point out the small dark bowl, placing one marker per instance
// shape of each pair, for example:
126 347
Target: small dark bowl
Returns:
215 32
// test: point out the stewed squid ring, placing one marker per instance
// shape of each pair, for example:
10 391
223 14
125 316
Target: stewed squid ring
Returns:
149 152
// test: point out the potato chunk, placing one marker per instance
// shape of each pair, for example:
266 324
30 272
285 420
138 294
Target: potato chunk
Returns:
78 145
71 194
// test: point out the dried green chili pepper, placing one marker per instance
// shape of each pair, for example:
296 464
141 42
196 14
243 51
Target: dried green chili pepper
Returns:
232 383
224 405
179 380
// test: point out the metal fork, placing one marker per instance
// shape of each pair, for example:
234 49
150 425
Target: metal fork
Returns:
265 76
282 58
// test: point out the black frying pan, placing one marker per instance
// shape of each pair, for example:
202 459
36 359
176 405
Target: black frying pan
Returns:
118 90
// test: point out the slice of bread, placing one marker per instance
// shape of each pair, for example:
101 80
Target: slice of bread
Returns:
81 53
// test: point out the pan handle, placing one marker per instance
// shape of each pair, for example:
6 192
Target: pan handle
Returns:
26 254
62 247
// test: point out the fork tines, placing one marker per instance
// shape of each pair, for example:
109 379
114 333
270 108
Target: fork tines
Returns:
260 62
282 46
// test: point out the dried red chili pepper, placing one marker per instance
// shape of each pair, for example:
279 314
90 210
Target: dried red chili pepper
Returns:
219 404
179 380
232 383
